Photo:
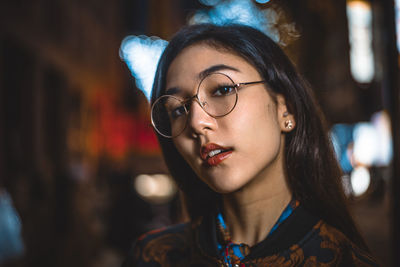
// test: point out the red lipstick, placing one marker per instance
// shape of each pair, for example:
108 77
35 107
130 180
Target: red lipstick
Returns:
214 154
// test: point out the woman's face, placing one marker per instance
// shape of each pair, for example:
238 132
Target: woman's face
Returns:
248 142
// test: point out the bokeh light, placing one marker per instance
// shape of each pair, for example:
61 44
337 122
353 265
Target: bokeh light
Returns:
156 188
11 242
141 54
242 12
397 10
360 180
359 15
364 143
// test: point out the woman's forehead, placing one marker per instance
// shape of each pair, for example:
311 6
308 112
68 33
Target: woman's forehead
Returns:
197 61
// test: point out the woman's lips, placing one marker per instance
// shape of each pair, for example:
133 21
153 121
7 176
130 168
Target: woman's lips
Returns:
217 159
214 154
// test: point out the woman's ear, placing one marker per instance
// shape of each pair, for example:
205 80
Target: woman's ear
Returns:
285 118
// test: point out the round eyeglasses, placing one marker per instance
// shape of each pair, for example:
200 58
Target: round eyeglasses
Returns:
217 95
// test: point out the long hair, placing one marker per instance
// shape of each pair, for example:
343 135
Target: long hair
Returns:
313 173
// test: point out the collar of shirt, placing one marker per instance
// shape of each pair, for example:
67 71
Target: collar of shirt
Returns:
232 253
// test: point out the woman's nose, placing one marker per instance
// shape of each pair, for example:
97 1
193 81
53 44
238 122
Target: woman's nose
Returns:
200 121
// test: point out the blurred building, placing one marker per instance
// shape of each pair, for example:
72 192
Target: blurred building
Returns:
71 119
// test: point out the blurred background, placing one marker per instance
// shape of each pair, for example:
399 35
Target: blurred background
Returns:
81 174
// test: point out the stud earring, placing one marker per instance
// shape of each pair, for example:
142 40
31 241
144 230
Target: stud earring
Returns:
285 114
288 124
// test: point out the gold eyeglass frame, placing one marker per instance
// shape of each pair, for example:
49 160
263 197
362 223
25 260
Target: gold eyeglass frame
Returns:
196 98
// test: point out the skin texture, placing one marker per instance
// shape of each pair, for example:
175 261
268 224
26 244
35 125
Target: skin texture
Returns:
252 178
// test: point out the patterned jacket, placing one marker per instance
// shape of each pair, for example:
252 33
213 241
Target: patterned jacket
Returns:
301 240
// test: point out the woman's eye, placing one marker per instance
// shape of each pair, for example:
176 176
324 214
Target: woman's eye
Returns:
177 112
224 90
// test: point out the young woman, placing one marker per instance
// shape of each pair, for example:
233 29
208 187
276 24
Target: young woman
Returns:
244 139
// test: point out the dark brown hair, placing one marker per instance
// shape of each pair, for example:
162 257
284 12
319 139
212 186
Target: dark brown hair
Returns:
312 170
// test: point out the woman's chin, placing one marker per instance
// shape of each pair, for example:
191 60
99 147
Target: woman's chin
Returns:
224 188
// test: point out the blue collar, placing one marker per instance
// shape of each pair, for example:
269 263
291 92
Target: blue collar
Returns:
233 253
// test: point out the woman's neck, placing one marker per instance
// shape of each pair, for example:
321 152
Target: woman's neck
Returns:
251 212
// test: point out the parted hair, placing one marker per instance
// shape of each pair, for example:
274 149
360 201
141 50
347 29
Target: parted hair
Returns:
312 170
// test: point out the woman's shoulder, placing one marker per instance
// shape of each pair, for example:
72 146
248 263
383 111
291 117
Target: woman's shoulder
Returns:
164 233
329 244
159 246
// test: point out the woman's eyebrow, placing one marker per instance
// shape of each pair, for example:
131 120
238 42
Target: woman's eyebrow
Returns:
202 74
215 68
172 91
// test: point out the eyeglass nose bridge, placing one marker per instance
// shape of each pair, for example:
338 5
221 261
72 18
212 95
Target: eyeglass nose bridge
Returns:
187 103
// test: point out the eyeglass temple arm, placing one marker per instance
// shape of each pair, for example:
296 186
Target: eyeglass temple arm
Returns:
248 83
